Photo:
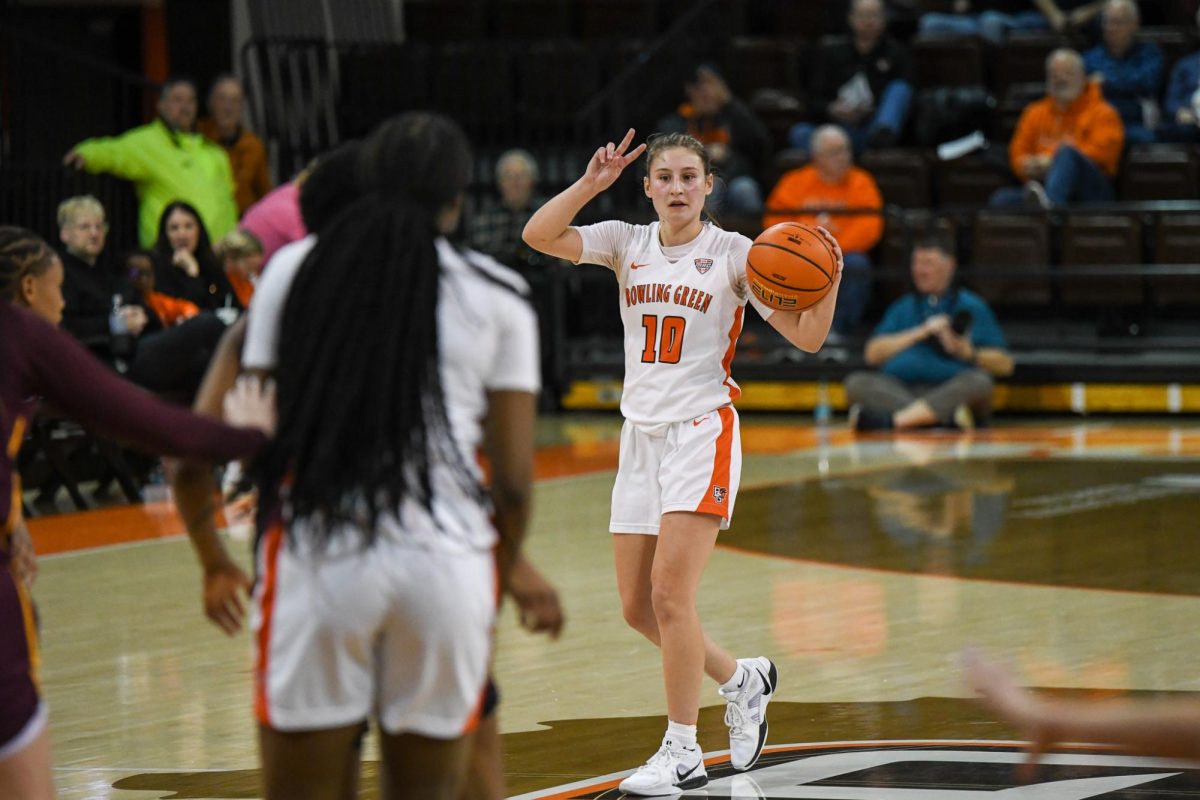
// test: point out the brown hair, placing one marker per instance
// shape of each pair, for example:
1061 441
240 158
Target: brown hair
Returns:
660 142
22 253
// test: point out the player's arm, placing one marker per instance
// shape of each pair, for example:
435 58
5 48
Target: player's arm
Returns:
549 229
197 495
508 435
537 600
807 329
1170 729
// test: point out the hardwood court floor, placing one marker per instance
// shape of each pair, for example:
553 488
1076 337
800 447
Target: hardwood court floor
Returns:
861 566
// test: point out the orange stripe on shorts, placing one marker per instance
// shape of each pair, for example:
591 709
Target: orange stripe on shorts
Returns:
271 542
716 497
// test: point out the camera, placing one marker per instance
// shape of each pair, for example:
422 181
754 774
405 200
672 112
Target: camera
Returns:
960 323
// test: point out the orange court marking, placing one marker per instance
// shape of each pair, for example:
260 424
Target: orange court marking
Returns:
64 533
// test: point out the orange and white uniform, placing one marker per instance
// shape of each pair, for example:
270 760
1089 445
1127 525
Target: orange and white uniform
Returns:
400 630
682 309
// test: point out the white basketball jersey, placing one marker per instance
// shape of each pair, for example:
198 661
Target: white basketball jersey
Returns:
488 339
682 309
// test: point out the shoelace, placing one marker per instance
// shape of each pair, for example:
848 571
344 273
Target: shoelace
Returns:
735 718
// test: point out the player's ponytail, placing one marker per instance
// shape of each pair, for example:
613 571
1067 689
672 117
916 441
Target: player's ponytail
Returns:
362 420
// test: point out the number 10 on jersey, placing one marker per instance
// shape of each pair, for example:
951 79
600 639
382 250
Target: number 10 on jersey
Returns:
669 342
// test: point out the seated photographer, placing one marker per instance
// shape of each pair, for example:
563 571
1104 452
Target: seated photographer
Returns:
935 354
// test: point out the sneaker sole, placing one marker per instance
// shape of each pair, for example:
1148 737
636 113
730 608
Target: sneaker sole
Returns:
679 788
772 681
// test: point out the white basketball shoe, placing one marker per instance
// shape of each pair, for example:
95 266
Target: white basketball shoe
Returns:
746 711
672 770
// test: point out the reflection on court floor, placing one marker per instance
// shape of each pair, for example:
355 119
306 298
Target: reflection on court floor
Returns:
861 566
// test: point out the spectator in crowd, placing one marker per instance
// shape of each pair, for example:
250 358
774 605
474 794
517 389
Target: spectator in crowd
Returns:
1130 73
935 354
166 161
156 353
1181 104
495 226
169 311
247 155
241 253
989 19
185 265
861 83
93 291
1067 145
736 139
831 182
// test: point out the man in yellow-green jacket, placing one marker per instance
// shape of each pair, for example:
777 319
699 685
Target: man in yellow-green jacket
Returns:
167 161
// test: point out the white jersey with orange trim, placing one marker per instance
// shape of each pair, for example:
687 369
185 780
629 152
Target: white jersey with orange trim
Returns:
487 332
682 309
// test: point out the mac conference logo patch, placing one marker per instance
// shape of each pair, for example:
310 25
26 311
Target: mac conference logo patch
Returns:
921 770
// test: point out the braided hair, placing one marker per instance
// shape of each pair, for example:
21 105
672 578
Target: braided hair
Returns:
361 415
22 253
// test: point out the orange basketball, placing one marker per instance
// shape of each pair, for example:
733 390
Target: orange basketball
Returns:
790 266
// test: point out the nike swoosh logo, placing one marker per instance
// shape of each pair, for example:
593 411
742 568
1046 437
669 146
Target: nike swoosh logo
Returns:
696 424
681 776
766 683
635 265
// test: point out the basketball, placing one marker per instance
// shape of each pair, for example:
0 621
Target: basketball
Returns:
790 266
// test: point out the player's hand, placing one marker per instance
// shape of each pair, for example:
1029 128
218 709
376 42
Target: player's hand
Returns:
537 600
225 583
837 253
22 559
75 160
1019 707
251 404
609 162
935 325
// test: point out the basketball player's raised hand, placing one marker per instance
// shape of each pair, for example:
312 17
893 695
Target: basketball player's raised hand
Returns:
609 161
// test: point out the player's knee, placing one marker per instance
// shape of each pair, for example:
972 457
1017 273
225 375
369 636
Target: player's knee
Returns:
639 615
670 602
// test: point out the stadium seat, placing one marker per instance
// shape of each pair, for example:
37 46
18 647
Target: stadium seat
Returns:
903 176
968 181
1004 243
444 20
942 61
1012 104
531 19
1177 241
1174 43
1159 172
616 19
1097 240
803 19
753 63
1022 59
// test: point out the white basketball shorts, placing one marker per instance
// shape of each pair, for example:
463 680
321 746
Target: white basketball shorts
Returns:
397 632
693 465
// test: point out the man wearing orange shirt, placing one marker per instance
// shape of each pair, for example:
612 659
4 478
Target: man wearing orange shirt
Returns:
1067 145
829 183
247 155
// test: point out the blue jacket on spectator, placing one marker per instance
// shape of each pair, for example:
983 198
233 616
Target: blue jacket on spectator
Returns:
1128 79
1185 80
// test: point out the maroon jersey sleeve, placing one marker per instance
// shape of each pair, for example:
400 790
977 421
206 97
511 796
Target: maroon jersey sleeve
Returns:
73 381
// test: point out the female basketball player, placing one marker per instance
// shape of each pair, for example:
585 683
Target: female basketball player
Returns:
683 292
395 357
36 359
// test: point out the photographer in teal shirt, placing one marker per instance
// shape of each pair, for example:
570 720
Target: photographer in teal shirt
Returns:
935 354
